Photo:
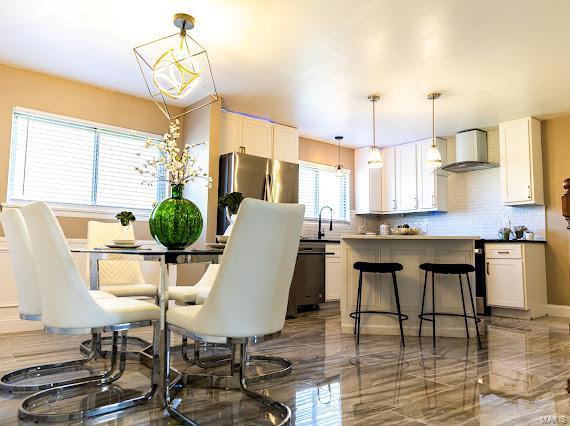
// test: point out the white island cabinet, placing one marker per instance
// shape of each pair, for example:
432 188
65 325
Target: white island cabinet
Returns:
377 291
332 273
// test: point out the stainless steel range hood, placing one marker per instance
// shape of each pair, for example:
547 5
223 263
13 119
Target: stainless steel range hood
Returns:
471 153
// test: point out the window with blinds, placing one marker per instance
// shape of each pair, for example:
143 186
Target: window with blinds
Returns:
319 186
65 161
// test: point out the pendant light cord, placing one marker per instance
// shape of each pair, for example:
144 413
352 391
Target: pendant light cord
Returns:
374 123
433 121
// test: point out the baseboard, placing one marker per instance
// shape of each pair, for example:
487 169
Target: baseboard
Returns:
558 310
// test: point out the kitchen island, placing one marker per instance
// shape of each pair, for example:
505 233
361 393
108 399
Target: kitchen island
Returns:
377 293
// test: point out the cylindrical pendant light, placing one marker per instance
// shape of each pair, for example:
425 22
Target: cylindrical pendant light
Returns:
339 167
433 157
374 155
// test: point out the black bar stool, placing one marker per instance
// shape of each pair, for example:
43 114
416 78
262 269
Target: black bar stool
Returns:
448 268
377 268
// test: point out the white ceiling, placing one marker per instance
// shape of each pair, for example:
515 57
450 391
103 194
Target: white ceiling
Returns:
312 63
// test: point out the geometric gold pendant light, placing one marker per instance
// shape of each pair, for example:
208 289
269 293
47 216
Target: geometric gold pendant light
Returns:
177 71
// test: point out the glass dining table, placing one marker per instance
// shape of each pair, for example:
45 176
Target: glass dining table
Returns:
166 259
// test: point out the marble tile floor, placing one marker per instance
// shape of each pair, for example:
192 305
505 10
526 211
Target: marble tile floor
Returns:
518 378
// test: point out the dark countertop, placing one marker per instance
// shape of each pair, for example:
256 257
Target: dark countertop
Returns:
514 241
313 240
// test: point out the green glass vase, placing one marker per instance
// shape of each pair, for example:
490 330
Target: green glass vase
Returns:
176 222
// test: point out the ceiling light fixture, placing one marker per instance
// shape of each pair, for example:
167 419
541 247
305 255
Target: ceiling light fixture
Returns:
374 155
339 167
433 156
176 68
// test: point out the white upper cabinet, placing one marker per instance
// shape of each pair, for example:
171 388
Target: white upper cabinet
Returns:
230 133
285 143
432 188
256 137
406 178
248 135
521 162
388 180
368 184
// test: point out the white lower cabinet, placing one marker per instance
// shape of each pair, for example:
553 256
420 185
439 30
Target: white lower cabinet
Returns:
515 275
505 283
332 273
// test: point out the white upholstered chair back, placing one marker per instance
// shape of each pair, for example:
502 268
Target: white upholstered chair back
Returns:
21 257
113 271
250 292
66 302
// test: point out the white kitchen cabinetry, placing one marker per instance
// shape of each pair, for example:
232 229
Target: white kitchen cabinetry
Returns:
256 137
368 184
515 276
248 135
285 143
432 188
521 162
388 191
406 178
332 273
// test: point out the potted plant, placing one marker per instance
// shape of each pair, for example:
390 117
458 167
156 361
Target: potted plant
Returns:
175 222
518 231
230 203
126 218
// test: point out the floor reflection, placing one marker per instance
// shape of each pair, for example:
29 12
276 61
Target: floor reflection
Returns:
518 377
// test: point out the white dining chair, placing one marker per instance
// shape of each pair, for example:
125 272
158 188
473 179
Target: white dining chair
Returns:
29 305
189 294
121 277
69 308
248 299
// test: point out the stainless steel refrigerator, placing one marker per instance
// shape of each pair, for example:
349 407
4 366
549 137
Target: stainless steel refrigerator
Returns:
257 177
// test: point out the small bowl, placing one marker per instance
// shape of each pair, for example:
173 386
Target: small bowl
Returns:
222 239
125 242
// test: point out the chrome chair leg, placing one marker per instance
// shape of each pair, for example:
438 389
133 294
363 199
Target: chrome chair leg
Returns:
46 397
239 369
9 381
279 406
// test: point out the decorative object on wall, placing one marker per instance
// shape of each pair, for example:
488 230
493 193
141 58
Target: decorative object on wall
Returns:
339 167
433 157
175 222
374 155
176 68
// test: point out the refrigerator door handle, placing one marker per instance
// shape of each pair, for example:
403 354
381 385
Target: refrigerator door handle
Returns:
268 188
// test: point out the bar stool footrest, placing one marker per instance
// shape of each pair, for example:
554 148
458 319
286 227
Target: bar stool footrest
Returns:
425 315
402 316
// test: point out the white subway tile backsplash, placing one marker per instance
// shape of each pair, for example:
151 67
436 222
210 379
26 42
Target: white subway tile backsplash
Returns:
474 207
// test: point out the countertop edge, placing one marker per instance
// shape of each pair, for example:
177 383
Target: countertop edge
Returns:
409 237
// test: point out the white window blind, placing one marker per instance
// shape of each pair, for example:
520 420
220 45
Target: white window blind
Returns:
69 162
319 186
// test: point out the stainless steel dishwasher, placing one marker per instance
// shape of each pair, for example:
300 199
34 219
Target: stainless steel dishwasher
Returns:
308 285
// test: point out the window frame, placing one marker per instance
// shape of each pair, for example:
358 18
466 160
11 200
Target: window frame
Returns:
331 169
71 209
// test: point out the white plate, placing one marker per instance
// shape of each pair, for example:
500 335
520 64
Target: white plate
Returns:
124 242
123 246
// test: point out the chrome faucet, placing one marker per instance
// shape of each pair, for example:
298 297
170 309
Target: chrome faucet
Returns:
322 233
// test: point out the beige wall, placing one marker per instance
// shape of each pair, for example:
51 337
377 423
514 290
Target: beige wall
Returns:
556 160
326 153
42 92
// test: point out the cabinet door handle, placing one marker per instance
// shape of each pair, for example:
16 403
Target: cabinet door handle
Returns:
488 268
503 252
394 201
529 193
433 200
